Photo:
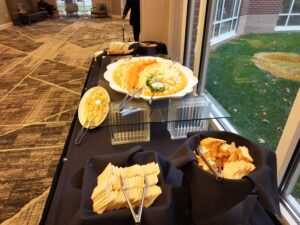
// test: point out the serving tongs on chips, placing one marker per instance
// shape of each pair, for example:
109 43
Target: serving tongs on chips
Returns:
215 173
137 217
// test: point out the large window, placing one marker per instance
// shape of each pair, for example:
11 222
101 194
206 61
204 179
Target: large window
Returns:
254 76
225 19
289 18
291 192
84 6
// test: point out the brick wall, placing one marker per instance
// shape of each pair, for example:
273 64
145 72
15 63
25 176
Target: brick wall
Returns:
258 7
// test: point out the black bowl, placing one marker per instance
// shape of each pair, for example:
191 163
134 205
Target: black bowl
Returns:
145 50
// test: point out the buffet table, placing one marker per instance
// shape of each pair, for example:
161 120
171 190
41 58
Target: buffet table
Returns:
64 199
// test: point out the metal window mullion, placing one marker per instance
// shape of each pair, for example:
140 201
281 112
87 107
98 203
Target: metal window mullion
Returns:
289 181
213 34
215 19
221 17
290 11
231 25
292 172
223 6
237 15
224 21
233 13
216 12
235 5
288 190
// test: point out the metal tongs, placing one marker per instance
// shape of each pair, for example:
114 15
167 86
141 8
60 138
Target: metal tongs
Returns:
83 129
136 216
122 107
215 173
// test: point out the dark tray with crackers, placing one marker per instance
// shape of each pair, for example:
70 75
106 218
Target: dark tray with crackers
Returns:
169 207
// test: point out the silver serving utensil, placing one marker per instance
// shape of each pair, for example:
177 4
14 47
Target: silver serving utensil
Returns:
129 110
83 130
127 99
136 216
215 173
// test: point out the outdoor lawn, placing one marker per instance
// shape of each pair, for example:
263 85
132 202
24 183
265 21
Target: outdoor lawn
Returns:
258 101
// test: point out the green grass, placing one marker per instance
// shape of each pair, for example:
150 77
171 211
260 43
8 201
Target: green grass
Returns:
253 97
258 102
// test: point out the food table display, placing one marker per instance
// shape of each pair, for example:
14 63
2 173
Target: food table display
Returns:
76 197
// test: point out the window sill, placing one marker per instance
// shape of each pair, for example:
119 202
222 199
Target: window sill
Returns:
222 37
287 218
287 28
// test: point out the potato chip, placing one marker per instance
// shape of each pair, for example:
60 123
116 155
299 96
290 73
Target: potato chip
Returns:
209 141
230 161
245 154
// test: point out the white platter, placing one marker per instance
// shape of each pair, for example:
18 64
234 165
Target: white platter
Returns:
192 80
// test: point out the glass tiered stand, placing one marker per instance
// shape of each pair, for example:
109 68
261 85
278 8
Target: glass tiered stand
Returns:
183 115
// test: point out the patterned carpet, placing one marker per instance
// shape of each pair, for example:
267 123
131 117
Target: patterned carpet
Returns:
42 71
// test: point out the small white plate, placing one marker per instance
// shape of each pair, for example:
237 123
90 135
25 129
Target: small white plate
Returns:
81 108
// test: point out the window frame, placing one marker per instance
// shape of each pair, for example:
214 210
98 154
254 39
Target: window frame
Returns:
291 133
234 17
287 27
288 183
288 165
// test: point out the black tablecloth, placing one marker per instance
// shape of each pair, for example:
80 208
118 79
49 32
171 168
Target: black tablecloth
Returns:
64 203
65 195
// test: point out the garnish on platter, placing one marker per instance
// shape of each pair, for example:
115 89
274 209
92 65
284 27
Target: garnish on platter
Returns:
154 85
